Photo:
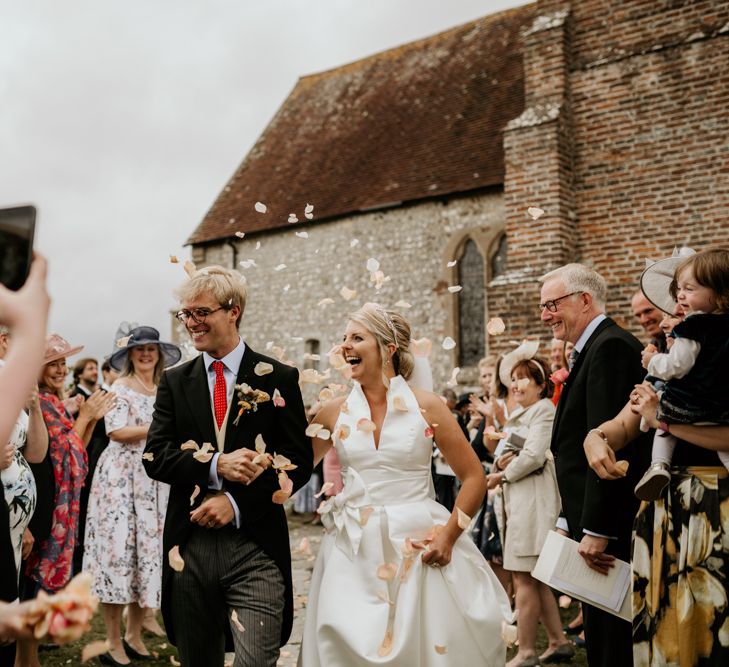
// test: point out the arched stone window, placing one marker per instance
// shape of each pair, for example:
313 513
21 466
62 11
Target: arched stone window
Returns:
311 353
471 305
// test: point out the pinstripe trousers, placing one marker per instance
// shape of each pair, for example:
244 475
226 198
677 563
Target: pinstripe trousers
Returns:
224 572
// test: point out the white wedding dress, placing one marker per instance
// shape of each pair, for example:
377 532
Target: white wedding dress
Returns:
407 613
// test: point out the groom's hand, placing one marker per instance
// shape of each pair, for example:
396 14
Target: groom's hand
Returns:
238 466
214 512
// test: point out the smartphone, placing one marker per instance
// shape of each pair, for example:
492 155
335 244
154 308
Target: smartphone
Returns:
17 227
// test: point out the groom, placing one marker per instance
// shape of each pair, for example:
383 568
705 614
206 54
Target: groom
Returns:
232 537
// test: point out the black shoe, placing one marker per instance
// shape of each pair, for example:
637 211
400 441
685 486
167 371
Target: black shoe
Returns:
108 659
134 655
573 631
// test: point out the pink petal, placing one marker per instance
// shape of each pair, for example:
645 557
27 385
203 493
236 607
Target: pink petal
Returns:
175 560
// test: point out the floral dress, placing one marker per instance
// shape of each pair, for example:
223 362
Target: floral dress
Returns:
681 572
19 487
126 513
50 562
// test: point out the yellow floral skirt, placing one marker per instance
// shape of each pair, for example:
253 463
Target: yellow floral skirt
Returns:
681 573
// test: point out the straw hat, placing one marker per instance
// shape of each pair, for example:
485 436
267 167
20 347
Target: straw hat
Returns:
657 276
58 347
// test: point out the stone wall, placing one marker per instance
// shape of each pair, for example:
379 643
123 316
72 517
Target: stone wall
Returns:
413 245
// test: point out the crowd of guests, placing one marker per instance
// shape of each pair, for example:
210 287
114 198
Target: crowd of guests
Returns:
551 432
571 440
77 496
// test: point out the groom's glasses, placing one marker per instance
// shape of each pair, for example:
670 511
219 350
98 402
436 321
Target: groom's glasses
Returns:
197 314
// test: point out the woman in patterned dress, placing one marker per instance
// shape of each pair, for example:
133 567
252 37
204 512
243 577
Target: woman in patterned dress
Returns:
126 511
49 565
28 442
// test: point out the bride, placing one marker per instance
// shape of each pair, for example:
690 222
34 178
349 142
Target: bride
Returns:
396 582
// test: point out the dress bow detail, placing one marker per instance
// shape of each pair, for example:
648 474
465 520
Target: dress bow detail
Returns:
344 514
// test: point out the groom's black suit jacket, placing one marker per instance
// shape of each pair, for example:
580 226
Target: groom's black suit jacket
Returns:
597 388
183 412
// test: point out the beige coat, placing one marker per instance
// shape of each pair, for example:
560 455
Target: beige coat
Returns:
531 498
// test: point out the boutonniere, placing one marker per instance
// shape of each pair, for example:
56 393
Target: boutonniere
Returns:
559 376
248 399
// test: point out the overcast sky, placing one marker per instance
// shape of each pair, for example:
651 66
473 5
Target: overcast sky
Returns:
122 121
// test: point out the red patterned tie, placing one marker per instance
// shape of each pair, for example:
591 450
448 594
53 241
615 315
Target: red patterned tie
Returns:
220 393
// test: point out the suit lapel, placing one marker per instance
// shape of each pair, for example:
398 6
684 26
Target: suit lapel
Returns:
197 394
607 322
245 374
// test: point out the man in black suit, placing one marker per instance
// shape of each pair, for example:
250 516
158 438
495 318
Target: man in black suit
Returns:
605 365
232 537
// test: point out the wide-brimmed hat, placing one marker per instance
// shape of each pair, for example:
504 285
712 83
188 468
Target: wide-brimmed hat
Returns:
657 276
58 347
143 336
527 350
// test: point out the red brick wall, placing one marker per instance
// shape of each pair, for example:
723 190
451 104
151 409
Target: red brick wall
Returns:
637 158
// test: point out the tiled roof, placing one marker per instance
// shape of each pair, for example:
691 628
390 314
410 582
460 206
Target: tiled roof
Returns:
421 120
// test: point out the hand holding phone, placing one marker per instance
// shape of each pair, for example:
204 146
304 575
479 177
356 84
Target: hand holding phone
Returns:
17 228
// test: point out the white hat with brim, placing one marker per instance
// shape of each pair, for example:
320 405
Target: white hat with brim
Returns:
656 279
527 350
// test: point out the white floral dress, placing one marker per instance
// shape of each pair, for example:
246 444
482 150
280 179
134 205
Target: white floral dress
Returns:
126 513
19 488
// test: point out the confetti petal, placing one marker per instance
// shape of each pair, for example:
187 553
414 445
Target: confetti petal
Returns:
440 649
309 208
343 432
190 445
464 521
399 404
93 649
325 487
279 267
195 494
325 302
366 425
421 347
122 342
428 432
173 260
495 326
565 601
148 456
263 368
236 622
304 547
535 212
312 429
402 304
175 560
240 235
364 515
522 383
293 218
454 289
260 207
302 235
247 263
324 434
278 400
448 343
353 243
452 263
189 268
347 294
372 265
453 380
387 571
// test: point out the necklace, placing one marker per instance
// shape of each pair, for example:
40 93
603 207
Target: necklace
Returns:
151 390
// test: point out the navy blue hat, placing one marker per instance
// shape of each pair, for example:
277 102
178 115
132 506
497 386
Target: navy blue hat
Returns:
143 336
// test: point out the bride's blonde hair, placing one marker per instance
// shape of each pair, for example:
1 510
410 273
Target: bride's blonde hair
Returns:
388 327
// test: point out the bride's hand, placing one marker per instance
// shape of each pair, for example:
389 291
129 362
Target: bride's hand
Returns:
440 551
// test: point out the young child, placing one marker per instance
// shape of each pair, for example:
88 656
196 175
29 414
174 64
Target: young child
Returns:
695 368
